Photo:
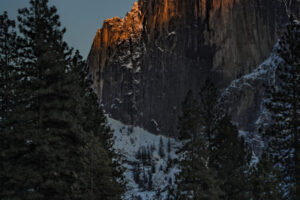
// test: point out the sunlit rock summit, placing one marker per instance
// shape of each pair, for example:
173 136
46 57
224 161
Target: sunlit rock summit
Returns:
143 65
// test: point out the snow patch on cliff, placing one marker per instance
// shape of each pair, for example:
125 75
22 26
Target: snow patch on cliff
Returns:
255 81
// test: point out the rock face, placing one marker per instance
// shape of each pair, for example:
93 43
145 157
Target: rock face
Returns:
143 65
244 99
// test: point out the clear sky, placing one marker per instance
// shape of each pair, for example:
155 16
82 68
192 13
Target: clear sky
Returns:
82 18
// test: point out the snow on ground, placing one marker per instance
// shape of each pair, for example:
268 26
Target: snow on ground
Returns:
148 166
129 141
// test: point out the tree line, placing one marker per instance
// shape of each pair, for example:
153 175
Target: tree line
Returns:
54 139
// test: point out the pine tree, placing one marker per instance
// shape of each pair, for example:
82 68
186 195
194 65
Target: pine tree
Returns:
38 164
93 120
8 61
266 180
284 106
136 173
223 143
228 158
99 181
153 167
7 66
161 150
150 182
169 146
209 109
145 181
196 180
98 139
51 152
8 85
188 122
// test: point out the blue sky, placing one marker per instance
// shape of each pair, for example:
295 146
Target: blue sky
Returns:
82 18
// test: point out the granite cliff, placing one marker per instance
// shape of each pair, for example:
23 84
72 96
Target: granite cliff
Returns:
143 65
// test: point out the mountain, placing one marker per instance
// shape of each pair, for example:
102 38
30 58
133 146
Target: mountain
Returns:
143 65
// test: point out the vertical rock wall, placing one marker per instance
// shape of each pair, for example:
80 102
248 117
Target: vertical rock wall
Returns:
143 65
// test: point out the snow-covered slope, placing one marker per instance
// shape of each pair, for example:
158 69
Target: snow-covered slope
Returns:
244 99
142 158
129 141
